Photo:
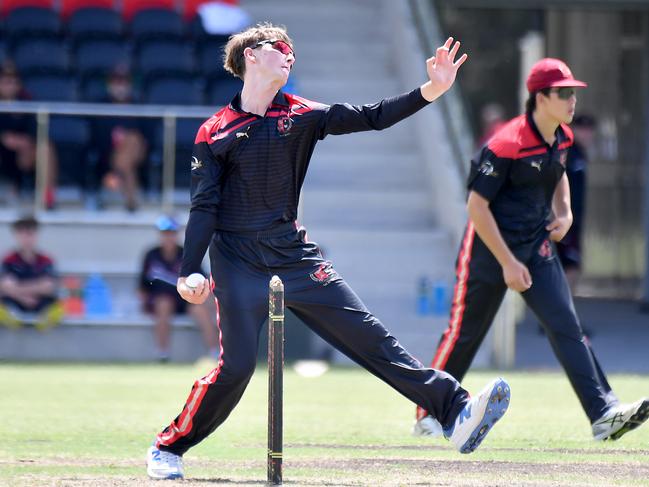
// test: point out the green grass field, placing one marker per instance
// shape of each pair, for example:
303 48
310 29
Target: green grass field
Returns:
72 425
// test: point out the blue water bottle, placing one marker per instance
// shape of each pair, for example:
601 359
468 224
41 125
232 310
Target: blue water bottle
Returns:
439 298
97 296
423 296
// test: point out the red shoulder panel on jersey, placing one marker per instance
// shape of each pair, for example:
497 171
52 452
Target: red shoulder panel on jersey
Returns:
221 123
12 258
509 139
568 131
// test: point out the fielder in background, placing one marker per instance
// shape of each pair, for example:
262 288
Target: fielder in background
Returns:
160 266
250 160
519 206
28 281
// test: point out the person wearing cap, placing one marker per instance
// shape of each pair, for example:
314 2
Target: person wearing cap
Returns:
519 207
29 282
160 267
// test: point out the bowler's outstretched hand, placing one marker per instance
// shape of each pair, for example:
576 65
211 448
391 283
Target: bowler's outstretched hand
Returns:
442 69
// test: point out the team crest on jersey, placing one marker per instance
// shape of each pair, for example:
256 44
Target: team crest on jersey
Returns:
284 124
324 274
487 168
196 164
545 250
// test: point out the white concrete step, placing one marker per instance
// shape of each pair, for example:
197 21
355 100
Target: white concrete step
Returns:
368 209
365 171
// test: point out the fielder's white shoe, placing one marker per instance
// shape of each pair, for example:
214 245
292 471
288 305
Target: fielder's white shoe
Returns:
427 426
163 464
621 419
479 415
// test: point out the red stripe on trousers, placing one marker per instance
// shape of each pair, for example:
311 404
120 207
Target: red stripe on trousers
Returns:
181 427
457 309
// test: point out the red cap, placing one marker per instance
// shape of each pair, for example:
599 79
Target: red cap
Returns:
551 73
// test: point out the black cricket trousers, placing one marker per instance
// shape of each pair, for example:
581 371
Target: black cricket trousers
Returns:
242 265
479 291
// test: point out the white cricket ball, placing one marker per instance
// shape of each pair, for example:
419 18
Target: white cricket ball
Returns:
193 280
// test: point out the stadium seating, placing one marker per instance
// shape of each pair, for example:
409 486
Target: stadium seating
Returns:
52 87
156 23
98 57
65 49
174 90
6 6
159 58
68 7
41 55
132 7
95 23
221 91
24 22
71 137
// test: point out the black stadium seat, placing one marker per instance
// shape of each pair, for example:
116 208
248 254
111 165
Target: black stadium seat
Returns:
221 91
41 55
96 56
71 137
95 23
51 88
174 91
157 23
156 58
31 22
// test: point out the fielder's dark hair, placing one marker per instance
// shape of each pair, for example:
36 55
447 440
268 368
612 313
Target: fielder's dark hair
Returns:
27 222
233 60
530 104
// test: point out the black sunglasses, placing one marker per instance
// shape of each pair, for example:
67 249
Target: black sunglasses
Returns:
278 45
565 92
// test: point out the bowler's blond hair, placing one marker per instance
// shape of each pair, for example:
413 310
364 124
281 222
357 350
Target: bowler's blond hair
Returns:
233 60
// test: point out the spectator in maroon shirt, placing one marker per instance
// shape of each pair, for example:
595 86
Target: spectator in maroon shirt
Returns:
28 281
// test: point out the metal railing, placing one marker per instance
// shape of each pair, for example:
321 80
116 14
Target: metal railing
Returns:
167 113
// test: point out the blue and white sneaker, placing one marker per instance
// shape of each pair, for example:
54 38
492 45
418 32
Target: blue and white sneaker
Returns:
479 415
163 464
621 419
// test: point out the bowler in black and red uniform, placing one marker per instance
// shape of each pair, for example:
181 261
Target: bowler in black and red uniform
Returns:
519 206
249 163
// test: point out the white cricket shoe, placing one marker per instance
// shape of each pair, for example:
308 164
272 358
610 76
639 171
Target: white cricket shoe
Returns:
479 415
163 464
427 426
621 419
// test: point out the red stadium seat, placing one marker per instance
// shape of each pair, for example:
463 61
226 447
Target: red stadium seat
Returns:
131 7
190 7
68 7
7 6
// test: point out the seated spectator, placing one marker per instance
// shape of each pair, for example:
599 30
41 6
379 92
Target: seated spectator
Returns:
28 281
18 140
158 291
121 141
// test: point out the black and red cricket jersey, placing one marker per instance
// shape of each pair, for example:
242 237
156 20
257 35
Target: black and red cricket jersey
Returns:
17 267
518 172
247 170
